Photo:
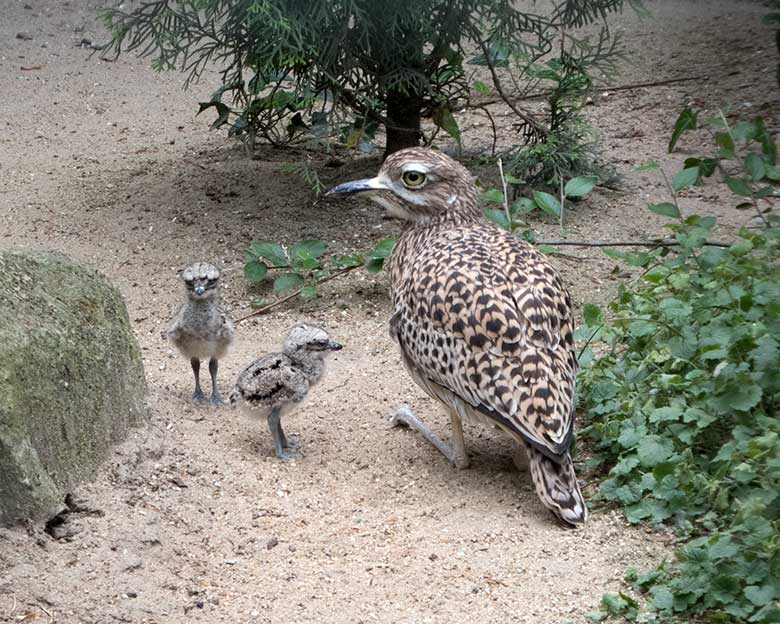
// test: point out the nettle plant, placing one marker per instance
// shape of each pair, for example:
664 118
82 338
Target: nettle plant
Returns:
683 408
303 266
510 215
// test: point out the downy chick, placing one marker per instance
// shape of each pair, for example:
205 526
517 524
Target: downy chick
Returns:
201 329
274 383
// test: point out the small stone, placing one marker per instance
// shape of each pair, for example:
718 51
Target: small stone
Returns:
131 594
199 604
24 36
272 543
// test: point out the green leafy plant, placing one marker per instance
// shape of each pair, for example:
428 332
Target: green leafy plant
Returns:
324 69
683 408
749 173
302 266
510 215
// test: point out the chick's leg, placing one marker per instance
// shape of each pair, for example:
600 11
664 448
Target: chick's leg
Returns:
216 399
198 394
280 441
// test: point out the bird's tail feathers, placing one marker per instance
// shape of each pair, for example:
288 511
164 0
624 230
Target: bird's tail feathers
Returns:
557 487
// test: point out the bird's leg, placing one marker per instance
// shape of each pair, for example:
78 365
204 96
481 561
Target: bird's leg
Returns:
288 443
455 453
198 394
280 441
215 398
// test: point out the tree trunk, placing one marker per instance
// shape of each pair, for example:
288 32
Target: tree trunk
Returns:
403 112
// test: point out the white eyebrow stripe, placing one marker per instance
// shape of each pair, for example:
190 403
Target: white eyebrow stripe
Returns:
416 166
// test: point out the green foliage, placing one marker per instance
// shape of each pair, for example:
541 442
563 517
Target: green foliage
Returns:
333 70
746 155
302 266
684 407
569 147
509 216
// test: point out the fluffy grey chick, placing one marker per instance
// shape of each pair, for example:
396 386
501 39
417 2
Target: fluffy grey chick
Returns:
201 330
275 382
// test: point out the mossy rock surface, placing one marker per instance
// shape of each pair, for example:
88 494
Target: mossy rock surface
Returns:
71 380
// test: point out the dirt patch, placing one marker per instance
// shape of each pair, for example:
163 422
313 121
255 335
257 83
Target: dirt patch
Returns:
197 521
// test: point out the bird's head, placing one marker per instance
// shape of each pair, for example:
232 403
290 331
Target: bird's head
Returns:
201 280
419 184
306 339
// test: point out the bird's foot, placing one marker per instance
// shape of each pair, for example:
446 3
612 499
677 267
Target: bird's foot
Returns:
216 400
455 452
404 417
198 396
287 455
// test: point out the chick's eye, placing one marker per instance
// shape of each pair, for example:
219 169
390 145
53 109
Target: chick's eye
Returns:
413 178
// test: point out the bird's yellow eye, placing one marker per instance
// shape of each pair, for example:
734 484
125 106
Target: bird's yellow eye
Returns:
413 178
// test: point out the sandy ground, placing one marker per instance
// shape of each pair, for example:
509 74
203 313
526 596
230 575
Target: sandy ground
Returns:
198 522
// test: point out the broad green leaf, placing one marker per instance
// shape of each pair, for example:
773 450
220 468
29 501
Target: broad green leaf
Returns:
739 186
686 121
255 271
760 596
663 599
653 450
272 252
480 87
755 165
493 195
309 291
577 187
498 217
685 178
382 249
445 120
523 205
726 144
665 210
307 249
647 166
592 315
374 265
349 260
547 203
287 281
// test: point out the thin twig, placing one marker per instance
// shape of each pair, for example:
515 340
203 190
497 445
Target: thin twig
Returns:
659 243
506 199
278 302
497 84
563 197
13 608
42 608
628 87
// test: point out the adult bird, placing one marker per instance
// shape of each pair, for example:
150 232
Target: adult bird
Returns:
483 321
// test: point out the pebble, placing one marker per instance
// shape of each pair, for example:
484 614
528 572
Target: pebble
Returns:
272 543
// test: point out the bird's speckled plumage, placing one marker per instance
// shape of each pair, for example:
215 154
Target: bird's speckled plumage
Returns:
483 320
272 384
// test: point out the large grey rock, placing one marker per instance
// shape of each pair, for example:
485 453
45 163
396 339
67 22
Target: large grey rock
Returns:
71 380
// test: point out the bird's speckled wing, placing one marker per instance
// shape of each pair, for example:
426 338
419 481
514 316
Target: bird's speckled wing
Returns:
485 316
270 381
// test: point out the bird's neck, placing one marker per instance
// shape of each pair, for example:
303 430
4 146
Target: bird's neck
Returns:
311 364
462 208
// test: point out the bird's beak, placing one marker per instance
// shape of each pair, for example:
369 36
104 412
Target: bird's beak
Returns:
199 290
335 346
357 186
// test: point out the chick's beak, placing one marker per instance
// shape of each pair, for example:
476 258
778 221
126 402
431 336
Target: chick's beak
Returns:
335 346
199 290
357 186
